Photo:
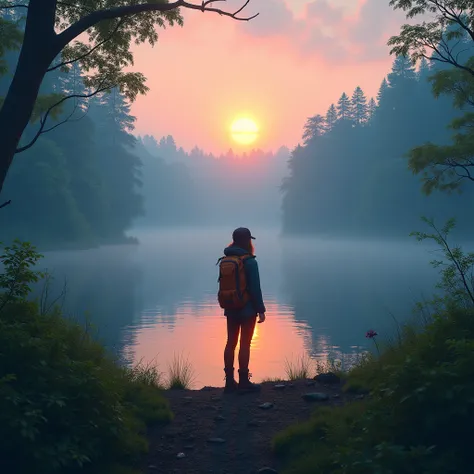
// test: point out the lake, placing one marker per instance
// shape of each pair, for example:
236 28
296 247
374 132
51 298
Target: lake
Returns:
157 299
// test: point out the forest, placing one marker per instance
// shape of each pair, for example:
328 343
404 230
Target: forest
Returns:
350 177
89 179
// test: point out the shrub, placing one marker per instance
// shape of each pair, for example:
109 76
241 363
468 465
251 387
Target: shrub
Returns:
419 414
65 404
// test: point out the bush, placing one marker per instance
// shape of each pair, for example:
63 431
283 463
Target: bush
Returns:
419 414
65 404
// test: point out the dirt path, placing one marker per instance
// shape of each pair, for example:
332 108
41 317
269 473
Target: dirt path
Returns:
243 429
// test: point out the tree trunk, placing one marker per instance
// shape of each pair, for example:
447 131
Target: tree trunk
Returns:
37 53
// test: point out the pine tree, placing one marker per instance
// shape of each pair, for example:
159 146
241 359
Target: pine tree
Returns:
331 117
371 108
382 93
424 70
359 111
314 127
402 70
344 107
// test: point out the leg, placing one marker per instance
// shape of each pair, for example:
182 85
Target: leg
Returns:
233 329
246 334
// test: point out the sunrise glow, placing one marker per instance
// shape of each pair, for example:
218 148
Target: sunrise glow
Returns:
244 131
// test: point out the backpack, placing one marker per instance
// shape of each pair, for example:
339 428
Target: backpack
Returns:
233 293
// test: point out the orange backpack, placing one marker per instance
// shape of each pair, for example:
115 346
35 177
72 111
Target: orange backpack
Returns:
233 293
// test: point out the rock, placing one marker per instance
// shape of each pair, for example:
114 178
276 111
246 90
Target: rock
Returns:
329 378
360 396
189 447
315 397
267 470
207 389
219 418
181 455
266 406
336 395
216 440
280 386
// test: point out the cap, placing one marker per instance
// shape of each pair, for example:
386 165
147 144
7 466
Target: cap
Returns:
241 233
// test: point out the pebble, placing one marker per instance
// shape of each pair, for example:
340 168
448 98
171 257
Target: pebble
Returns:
266 406
279 386
315 397
216 440
181 455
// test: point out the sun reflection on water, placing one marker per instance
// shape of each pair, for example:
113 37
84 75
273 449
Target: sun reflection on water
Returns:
197 330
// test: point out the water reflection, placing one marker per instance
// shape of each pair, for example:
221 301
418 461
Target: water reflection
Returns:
199 333
159 298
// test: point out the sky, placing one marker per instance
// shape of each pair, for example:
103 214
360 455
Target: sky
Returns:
289 63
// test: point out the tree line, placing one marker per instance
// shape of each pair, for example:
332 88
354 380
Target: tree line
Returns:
351 176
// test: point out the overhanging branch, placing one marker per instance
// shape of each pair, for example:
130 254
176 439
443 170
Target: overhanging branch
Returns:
4 7
42 130
92 19
88 53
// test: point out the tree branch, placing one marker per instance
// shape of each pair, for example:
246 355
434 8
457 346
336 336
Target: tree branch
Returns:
4 7
41 130
97 46
92 19
5 203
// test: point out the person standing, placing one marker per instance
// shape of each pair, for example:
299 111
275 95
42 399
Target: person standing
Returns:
240 296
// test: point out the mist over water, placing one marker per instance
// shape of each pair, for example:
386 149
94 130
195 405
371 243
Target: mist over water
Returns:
151 301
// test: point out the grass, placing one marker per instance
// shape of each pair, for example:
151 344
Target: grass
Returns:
147 374
417 417
181 375
300 368
273 380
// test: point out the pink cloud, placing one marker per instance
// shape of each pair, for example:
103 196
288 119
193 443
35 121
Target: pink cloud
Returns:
327 30
279 72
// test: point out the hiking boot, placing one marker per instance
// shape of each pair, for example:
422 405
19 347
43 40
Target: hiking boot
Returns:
245 385
230 383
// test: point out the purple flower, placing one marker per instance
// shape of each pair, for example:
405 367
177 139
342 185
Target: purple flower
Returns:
371 334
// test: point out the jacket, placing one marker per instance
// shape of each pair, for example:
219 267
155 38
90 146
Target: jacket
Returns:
255 304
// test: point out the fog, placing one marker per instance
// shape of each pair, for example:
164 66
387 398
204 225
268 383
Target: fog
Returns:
136 223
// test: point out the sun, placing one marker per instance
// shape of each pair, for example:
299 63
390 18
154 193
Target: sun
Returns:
244 131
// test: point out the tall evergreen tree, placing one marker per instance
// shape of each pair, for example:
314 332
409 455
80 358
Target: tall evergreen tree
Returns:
331 117
402 70
314 127
359 110
371 108
383 89
344 107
